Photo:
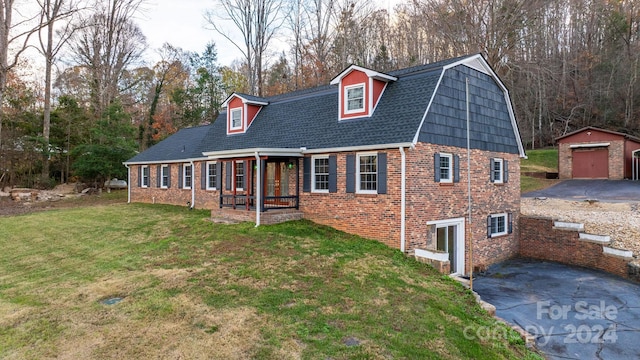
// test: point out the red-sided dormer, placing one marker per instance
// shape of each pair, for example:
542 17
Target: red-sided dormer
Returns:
359 91
242 109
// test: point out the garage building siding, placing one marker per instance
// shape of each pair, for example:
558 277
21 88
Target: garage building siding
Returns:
592 153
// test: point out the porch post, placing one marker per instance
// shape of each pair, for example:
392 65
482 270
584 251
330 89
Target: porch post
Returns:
258 186
297 184
263 169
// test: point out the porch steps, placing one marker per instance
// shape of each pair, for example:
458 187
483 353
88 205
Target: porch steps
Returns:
235 216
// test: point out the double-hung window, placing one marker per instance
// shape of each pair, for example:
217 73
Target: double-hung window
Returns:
239 175
445 168
499 224
320 174
236 118
187 176
355 98
212 175
367 173
497 171
145 176
164 176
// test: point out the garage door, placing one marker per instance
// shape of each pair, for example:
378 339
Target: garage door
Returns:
591 163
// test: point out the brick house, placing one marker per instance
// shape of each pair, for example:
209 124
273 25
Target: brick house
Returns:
592 153
380 155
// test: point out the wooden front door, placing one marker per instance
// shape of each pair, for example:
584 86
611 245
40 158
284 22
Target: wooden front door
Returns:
277 181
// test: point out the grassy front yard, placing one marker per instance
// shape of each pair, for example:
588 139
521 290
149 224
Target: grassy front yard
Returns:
542 160
193 289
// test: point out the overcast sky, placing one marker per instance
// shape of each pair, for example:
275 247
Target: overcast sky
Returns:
181 23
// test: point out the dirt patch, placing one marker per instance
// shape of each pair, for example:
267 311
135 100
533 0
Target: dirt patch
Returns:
9 207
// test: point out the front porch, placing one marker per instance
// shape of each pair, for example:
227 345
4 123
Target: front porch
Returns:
271 186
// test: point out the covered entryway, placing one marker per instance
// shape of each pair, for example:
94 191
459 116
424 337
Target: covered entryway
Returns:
447 246
591 163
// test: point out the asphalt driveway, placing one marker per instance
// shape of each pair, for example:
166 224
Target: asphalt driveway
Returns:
574 313
602 190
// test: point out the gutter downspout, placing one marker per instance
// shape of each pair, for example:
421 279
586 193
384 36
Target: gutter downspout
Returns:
128 183
193 185
258 192
403 200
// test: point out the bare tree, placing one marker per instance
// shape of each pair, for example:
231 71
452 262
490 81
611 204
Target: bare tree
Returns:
258 21
18 42
108 43
52 13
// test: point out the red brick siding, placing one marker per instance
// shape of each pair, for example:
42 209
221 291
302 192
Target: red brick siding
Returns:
375 216
431 201
540 240
204 199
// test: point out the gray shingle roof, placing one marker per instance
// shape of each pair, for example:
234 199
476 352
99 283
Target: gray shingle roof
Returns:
309 118
184 144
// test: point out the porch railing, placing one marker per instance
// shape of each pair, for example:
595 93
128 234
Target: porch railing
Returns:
239 201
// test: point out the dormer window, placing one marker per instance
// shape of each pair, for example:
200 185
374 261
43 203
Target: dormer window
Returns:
355 98
359 91
242 109
236 118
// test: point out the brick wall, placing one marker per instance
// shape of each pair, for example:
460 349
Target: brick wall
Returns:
616 159
428 200
375 216
540 240
204 199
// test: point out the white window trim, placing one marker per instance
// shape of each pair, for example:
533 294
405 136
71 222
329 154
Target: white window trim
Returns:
358 156
450 179
506 224
244 174
142 177
162 173
493 171
346 98
231 112
313 173
184 176
208 165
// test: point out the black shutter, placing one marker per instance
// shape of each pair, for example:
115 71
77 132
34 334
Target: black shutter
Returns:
306 174
489 226
180 169
245 173
168 176
203 175
351 173
139 175
382 173
505 177
219 175
510 218
491 165
229 171
456 168
333 174
158 176
436 167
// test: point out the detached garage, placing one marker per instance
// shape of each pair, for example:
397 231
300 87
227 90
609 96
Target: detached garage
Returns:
593 153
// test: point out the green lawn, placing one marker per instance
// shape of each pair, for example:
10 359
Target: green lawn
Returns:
194 289
543 160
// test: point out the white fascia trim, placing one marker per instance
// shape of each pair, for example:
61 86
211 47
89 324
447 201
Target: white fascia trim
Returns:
424 116
179 161
577 146
357 148
487 69
244 101
370 73
251 153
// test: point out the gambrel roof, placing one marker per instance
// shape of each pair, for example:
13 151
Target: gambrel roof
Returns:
423 104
